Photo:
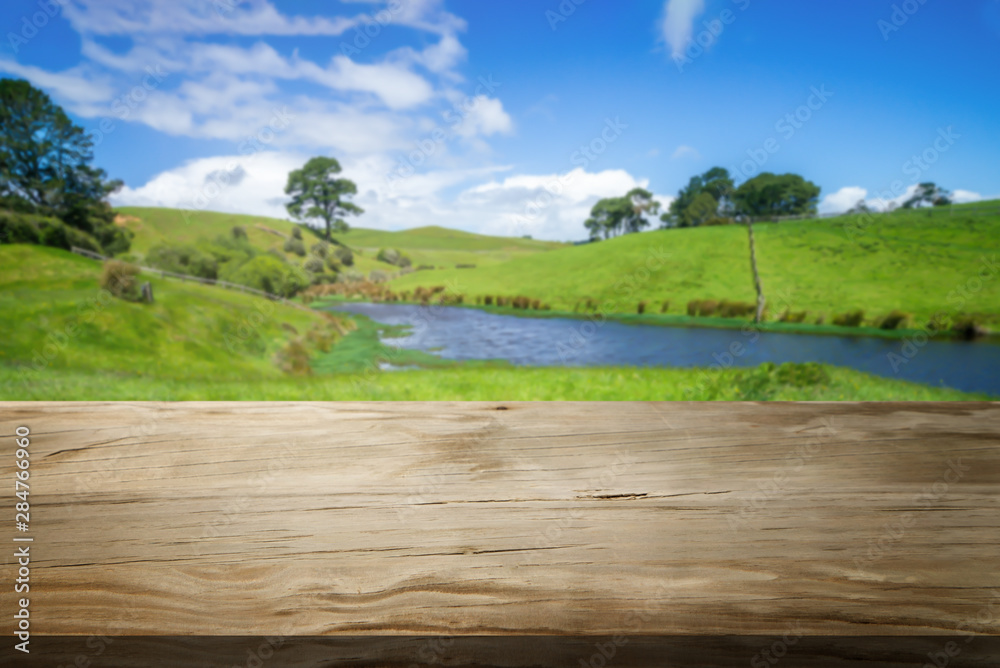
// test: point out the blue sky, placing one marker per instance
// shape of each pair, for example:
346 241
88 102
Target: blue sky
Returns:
514 117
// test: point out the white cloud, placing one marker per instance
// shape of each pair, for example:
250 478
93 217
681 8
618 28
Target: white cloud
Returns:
205 17
847 197
551 206
211 183
483 116
842 200
678 23
685 152
76 85
964 196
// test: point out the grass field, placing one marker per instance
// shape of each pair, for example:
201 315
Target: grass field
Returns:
462 383
907 260
62 341
433 246
57 319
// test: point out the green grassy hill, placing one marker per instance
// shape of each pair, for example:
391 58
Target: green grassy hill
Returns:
57 319
909 260
63 341
433 246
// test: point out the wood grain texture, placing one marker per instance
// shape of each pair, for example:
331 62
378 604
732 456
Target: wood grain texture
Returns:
523 518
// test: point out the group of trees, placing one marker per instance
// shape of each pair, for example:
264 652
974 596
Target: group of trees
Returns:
46 173
711 198
622 215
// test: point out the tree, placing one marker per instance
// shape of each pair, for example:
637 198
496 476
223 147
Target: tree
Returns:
45 166
929 194
859 208
621 215
716 182
317 194
606 217
702 208
770 194
641 204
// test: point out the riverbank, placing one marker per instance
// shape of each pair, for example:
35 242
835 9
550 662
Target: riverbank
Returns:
790 382
675 320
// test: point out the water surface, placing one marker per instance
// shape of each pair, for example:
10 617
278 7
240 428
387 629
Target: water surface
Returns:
471 334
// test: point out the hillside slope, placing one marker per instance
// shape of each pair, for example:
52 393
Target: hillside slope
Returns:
58 318
912 261
431 246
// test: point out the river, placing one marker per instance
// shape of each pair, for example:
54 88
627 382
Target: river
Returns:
471 334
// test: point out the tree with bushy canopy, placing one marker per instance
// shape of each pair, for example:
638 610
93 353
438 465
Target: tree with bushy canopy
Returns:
317 194
929 194
45 167
621 215
689 208
770 194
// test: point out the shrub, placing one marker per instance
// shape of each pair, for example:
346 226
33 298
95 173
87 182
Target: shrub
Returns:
119 278
393 257
293 358
388 255
322 249
849 319
802 375
789 316
896 320
425 267
314 265
269 274
728 309
295 246
297 232
24 228
465 266
239 233
536 304
344 255
967 328
718 221
641 308
704 307
664 307
183 260
350 277
378 276
488 300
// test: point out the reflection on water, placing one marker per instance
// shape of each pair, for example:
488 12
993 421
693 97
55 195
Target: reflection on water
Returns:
465 334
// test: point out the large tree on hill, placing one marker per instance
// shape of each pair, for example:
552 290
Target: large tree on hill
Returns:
621 215
641 204
930 194
606 217
45 166
770 194
317 194
716 183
